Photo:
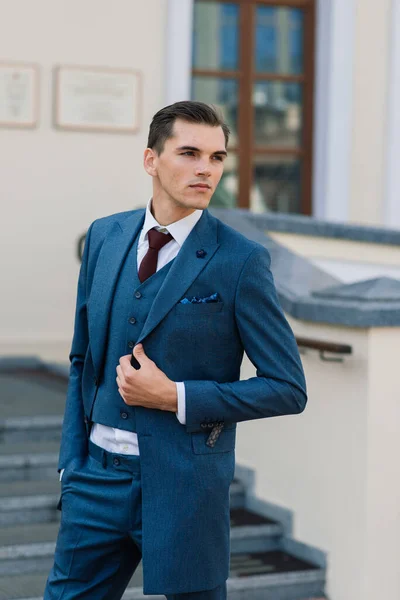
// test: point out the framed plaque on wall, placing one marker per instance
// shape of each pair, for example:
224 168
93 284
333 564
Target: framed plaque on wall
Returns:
97 99
19 95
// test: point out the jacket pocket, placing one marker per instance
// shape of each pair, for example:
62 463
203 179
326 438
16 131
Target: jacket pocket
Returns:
200 308
225 442
63 482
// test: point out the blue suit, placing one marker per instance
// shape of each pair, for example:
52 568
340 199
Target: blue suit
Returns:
185 482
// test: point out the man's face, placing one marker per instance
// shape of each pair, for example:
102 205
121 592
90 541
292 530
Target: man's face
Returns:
189 168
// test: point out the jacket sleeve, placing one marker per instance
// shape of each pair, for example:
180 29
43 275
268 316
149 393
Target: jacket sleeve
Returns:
74 436
279 387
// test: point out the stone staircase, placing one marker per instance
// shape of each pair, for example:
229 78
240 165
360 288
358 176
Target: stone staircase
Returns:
266 562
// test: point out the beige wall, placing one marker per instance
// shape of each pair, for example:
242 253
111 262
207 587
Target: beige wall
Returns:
335 465
52 183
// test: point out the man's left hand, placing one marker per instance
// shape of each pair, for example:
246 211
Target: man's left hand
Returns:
147 386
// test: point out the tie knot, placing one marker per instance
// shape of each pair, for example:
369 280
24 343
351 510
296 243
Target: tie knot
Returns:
157 239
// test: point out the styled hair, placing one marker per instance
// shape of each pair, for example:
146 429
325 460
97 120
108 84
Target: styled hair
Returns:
162 125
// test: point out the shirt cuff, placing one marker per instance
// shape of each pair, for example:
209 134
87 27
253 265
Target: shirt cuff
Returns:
181 414
61 473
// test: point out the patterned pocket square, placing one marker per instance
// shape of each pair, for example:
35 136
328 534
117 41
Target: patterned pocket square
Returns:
198 300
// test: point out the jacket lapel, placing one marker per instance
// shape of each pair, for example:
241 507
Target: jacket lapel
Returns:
110 260
184 270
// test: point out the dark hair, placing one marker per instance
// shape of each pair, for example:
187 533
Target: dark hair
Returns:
161 127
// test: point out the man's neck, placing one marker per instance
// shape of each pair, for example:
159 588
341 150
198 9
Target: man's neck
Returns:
166 214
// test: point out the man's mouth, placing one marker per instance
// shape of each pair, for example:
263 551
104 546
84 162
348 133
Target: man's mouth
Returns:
201 185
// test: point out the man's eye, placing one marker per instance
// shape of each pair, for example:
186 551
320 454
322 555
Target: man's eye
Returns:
218 158
188 153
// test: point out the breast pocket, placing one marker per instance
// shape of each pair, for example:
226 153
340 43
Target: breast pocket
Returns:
200 308
225 442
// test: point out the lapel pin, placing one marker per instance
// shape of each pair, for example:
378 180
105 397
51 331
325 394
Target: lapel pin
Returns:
201 253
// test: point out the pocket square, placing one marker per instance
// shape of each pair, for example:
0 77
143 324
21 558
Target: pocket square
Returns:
198 300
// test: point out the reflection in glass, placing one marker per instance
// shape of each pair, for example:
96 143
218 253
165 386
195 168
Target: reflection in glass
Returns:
222 93
277 184
215 36
225 196
279 40
277 114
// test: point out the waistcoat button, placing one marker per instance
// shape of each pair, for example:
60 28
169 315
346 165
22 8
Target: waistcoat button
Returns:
116 461
131 344
138 295
124 415
132 320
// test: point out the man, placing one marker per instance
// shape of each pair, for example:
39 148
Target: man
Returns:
187 295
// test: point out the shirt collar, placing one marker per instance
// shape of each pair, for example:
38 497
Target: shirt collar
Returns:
179 230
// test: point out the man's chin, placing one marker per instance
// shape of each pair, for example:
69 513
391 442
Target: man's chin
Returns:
198 203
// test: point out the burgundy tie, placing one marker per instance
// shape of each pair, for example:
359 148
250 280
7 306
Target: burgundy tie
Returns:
157 240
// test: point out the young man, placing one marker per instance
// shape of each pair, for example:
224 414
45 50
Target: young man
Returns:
187 295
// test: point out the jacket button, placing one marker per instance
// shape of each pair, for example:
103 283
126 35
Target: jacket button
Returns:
116 461
138 295
131 344
132 320
203 425
124 415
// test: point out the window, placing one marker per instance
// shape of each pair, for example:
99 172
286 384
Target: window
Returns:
255 61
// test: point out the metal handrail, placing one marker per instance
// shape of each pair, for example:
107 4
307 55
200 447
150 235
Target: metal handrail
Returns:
325 348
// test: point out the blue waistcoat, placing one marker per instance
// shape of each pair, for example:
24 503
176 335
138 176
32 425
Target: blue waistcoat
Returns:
131 304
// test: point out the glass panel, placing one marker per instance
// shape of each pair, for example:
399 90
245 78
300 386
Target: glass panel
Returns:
225 196
278 114
215 36
279 40
277 184
223 93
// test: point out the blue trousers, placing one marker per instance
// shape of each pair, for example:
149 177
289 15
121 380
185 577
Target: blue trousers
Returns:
99 543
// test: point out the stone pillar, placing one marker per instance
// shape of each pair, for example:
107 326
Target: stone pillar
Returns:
371 67
382 492
178 50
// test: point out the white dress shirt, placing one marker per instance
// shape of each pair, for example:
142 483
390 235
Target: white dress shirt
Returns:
119 440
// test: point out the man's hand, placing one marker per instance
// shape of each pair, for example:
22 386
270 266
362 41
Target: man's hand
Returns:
147 386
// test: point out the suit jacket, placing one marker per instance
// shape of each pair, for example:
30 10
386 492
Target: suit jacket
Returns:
185 483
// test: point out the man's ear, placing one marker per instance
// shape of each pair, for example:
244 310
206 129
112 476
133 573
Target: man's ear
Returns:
149 162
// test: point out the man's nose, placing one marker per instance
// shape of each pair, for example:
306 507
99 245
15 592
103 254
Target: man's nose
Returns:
203 169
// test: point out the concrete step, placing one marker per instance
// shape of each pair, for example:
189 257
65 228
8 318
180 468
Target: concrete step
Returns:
286 571
29 548
285 579
36 501
29 393
25 429
28 502
28 461
32 402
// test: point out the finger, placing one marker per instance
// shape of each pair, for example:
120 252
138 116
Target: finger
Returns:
140 354
120 373
125 364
